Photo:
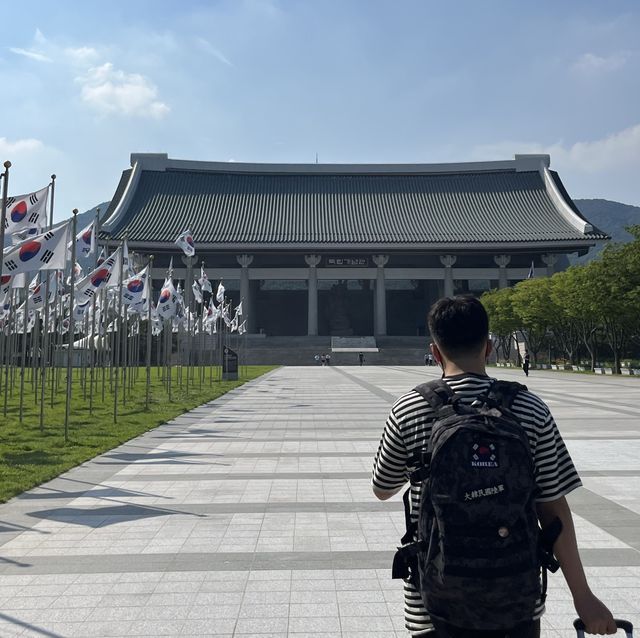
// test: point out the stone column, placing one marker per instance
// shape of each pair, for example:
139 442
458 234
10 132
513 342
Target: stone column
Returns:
502 261
245 291
312 295
447 261
380 317
550 261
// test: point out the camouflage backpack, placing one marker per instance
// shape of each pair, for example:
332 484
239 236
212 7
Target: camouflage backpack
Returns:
478 555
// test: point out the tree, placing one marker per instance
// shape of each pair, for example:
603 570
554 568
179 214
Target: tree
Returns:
502 319
532 305
569 322
573 293
613 292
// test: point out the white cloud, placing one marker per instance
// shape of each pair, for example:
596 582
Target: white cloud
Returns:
607 167
28 53
82 55
618 150
112 91
590 64
18 147
207 47
39 37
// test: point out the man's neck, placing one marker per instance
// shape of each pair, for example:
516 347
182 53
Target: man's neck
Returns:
455 368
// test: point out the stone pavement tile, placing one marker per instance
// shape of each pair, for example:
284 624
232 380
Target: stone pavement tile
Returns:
316 597
204 612
314 625
73 614
252 611
10 629
367 623
109 613
313 609
314 585
36 602
156 627
86 629
261 625
266 597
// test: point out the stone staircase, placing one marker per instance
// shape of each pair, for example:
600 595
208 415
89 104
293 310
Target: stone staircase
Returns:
256 350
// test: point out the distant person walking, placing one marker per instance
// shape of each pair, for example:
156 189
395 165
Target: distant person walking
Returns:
526 363
328 358
323 359
361 358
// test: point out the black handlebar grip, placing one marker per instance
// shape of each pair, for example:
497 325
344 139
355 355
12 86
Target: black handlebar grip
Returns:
625 625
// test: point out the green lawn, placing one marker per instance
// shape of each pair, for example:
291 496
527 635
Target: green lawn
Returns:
29 457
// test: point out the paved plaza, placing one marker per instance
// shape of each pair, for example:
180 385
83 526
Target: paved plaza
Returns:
254 516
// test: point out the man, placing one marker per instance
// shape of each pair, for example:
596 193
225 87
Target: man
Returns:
459 327
526 363
361 358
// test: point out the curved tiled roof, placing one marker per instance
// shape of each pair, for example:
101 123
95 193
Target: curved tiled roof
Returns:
269 208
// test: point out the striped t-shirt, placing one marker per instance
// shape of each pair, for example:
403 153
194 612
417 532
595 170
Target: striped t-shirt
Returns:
408 429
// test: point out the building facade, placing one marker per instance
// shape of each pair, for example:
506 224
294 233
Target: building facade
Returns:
334 249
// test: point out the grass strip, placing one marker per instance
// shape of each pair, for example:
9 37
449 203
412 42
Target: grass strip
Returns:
29 457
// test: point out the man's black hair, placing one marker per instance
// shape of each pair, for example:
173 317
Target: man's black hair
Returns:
458 324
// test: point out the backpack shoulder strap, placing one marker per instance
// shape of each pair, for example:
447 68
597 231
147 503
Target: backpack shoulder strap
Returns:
505 392
436 393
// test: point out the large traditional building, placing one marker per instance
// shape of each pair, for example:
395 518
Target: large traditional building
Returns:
349 249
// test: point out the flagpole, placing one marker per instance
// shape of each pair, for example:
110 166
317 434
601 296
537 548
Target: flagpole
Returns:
148 352
72 331
13 323
125 352
23 357
9 348
187 294
104 316
3 218
116 341
35 352
57 329
3 215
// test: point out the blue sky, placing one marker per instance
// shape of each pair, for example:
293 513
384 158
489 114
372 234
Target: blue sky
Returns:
86 84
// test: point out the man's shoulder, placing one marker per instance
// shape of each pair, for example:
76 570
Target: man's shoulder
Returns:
410 405
527 401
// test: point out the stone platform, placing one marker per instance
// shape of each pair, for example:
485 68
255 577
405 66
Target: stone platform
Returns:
254 516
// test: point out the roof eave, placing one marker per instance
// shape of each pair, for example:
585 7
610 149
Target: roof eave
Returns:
565 245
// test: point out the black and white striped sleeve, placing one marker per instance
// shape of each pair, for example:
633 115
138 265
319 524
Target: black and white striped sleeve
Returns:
556 474
390 464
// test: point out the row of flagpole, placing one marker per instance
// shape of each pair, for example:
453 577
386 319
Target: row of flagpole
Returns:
42 311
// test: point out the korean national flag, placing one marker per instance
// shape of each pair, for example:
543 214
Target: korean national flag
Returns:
42 252
26 211
86 241
185 241
135 289
102 276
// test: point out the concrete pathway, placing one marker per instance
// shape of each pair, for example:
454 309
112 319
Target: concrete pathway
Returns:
253 516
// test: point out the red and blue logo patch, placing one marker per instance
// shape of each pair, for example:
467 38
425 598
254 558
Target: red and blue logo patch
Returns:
165 295
484 455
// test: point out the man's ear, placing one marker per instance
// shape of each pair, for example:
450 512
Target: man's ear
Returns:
436 353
